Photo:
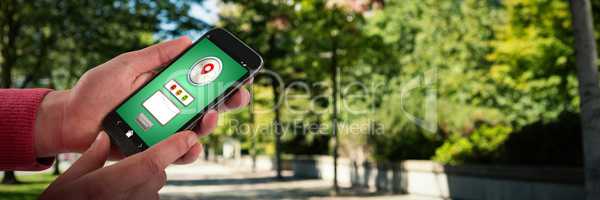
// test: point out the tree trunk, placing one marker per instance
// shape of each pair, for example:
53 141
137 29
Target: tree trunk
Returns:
56 166
205 154
41 60
277 122
334 117
277 109
9 50
254 150
589 92
10 178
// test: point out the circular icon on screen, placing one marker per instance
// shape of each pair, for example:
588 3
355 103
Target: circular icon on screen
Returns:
205 71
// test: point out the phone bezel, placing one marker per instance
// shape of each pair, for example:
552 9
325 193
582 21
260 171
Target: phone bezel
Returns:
243 54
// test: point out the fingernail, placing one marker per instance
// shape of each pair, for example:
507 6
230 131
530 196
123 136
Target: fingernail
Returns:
96 141
98 136
192 139
182 38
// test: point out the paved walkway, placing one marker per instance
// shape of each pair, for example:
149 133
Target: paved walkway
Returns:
207 180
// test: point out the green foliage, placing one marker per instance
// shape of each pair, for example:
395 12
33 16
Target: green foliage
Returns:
532 75
480 146
530 80
56 42
438 50
303 142
298 40
471 62
255 136
404 123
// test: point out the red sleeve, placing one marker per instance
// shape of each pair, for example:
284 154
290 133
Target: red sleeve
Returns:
18 108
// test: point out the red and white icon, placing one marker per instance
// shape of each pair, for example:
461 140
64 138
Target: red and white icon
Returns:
205 71
207 68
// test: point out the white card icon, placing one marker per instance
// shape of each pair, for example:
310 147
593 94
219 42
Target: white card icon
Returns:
161 108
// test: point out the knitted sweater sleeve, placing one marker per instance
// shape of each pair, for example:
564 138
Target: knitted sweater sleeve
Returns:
18 108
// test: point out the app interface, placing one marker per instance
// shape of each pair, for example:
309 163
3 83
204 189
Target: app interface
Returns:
180 92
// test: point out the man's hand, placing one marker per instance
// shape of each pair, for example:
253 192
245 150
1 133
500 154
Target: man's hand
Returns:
68 121
137 177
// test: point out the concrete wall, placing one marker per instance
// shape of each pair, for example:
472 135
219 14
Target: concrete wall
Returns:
458 182
263 163
433 179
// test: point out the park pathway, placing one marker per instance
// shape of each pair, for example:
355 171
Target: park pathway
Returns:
208 180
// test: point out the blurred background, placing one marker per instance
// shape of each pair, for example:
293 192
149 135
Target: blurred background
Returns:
410 99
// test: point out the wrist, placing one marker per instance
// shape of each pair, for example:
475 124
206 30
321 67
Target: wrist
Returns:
48 125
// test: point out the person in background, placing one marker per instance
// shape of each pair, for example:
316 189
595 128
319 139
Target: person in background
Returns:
38 124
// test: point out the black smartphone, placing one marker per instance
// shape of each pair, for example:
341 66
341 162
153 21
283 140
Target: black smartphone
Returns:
199 79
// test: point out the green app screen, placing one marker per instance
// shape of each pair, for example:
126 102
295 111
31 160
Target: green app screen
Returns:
180 92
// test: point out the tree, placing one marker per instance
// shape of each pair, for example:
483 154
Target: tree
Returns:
332 39
265 25
298 40
589 91
430 75
531 77
525 78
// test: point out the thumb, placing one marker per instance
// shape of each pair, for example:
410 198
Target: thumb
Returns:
168 151
142 167
90 160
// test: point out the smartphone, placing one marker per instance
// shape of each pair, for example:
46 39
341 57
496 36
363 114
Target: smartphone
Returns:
199 79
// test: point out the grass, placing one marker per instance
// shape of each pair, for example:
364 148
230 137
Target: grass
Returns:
31 187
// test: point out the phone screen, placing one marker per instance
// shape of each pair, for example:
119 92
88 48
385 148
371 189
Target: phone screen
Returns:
179 93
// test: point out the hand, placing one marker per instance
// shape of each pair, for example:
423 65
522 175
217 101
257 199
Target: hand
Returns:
68 121
144 172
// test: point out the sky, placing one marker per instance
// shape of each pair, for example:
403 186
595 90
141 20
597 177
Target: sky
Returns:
206 11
